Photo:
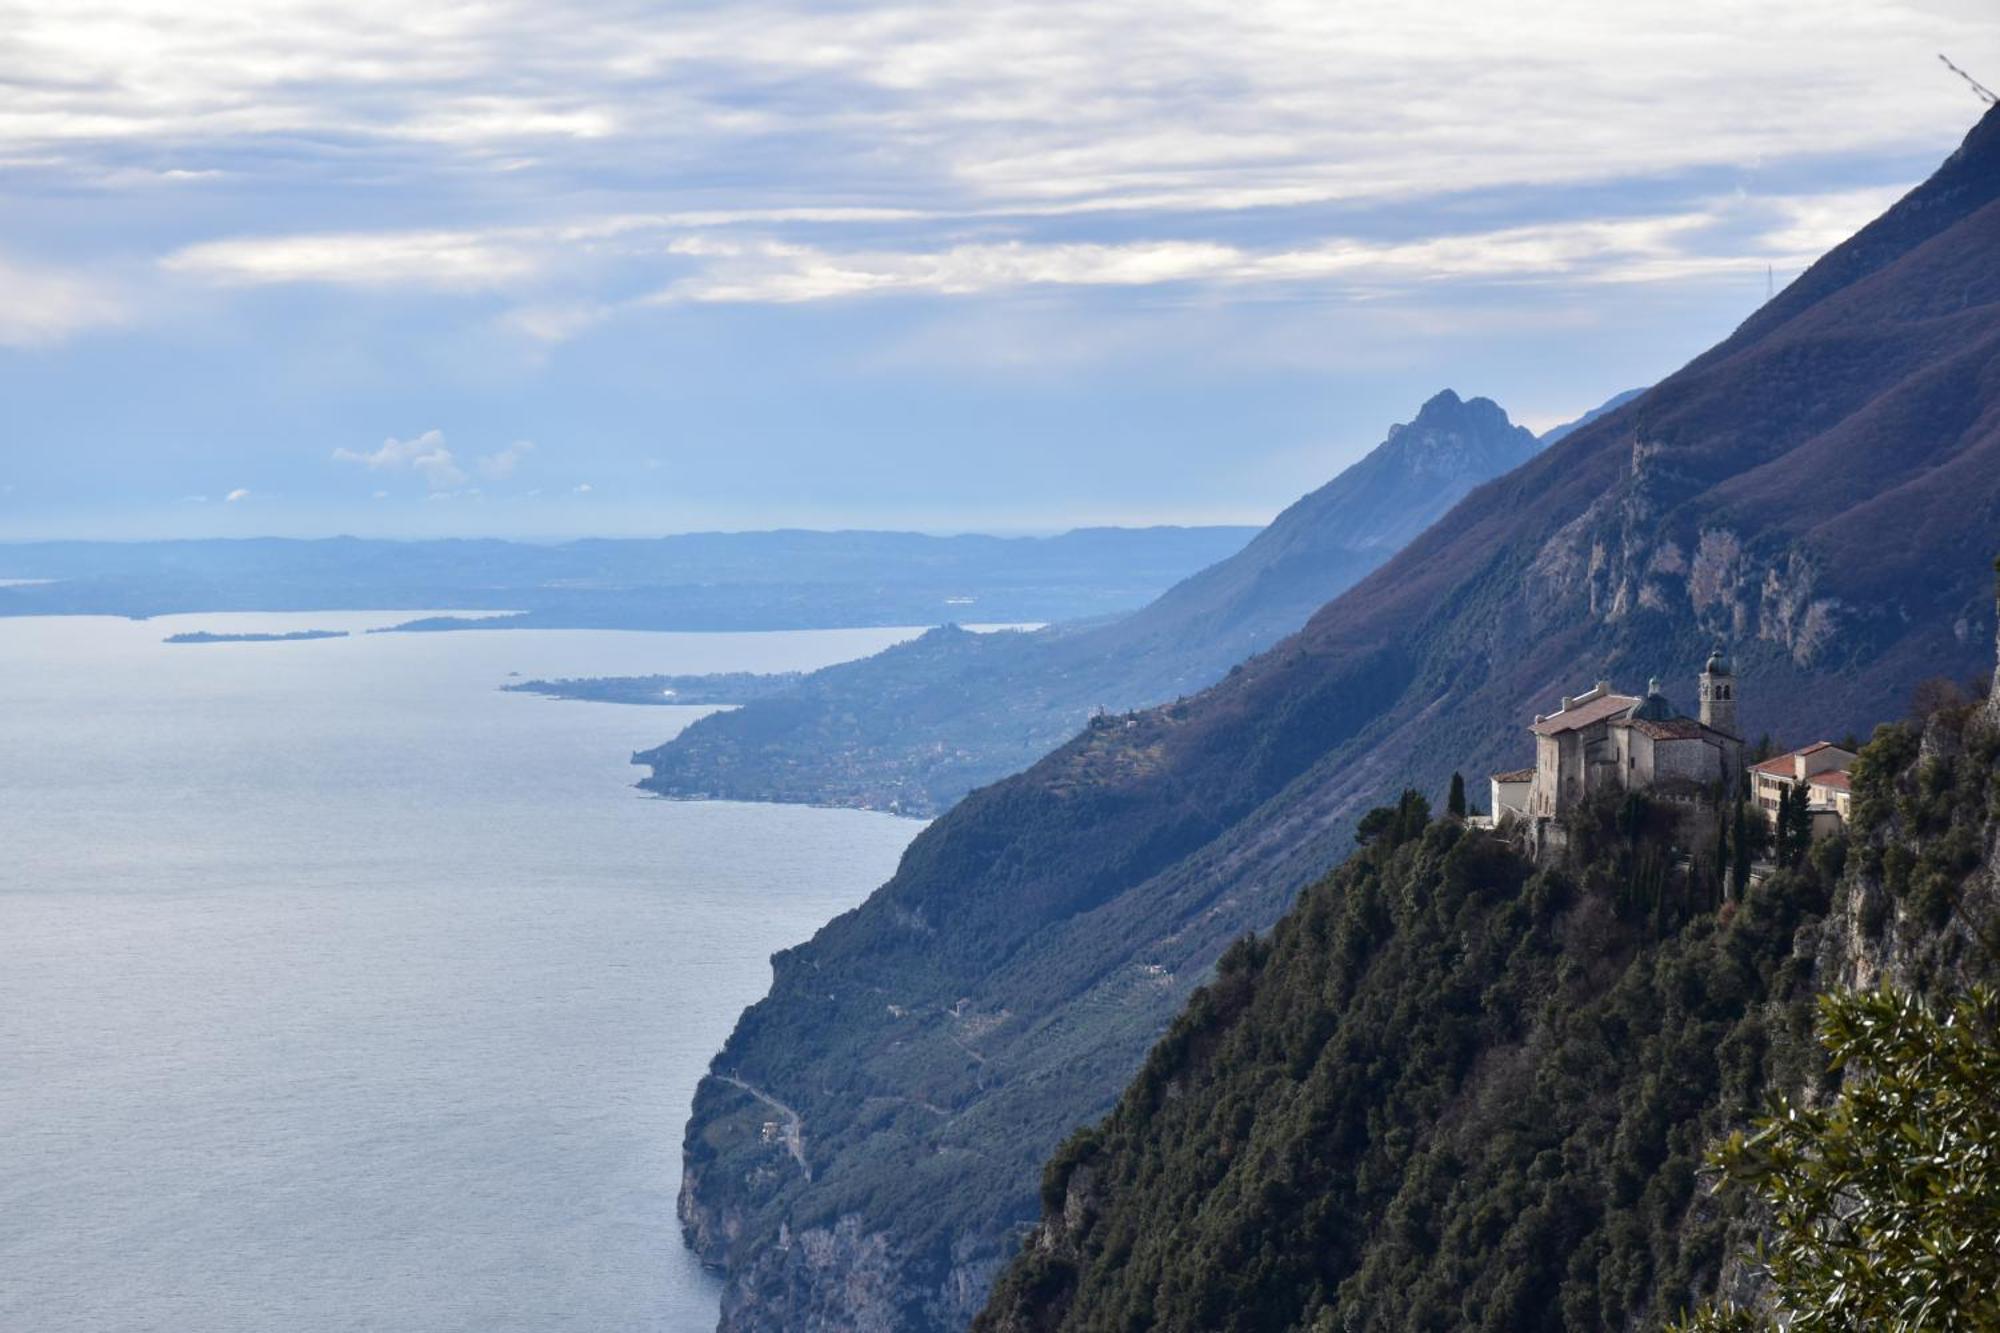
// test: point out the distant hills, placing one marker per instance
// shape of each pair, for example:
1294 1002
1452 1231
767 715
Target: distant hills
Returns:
919 725
1820 492
289 636
696 581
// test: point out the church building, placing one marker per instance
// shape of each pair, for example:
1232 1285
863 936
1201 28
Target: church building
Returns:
1603 741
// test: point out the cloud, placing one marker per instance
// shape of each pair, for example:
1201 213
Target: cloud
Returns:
446 261
236 496
1814 224
727 263
1659 248
945 103
730 264
424 454
582 488
40 307
556 323
500 466
899 127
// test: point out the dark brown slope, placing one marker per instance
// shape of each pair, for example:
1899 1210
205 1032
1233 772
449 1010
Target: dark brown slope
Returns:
1821 491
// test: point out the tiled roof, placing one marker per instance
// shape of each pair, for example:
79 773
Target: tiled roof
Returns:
1673 729
1582 715
1839 779
1781 766
1516 775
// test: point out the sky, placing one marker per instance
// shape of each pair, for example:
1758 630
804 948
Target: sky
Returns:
413 268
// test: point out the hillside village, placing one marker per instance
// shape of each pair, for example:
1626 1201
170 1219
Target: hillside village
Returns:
1603 742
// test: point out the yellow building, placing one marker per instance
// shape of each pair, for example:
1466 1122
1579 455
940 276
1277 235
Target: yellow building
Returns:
1822 768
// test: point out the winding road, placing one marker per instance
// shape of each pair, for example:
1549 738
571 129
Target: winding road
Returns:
794 1123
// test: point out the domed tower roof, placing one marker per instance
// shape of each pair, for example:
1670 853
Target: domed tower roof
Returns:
1718 665
1654 707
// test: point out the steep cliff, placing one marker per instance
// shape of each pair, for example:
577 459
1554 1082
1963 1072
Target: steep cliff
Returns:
915 728
1452 1090
1821 490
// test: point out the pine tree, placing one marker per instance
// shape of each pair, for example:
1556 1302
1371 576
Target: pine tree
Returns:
1413 815
1455 803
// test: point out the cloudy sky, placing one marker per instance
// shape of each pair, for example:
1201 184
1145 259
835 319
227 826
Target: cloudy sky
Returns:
561 266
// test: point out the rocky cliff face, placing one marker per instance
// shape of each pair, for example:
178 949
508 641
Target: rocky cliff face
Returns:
1824 487
1993 695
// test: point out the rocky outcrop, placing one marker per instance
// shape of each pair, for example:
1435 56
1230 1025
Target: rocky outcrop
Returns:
1919 905
840 1276
1993 695
845 1276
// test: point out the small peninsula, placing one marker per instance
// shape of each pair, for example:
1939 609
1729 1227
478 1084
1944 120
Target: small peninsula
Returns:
728 687
293 636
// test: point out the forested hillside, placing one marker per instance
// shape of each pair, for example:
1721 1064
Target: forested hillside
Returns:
1820 492
1452 1090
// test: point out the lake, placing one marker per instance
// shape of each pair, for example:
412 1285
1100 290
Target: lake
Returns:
341 991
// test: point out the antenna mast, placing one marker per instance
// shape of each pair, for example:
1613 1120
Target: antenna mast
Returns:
1980 90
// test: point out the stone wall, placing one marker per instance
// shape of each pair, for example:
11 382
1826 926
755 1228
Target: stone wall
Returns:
1690 761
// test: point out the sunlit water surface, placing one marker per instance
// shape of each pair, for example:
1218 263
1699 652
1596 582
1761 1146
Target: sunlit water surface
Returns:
340 991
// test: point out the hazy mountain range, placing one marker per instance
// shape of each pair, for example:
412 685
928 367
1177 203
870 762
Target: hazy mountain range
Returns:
695 581
915 728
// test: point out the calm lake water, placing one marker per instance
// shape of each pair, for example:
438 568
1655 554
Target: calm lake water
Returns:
340 991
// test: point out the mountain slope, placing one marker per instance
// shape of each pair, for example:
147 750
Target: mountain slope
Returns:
1452 1090
918 726
1821 491
1568 428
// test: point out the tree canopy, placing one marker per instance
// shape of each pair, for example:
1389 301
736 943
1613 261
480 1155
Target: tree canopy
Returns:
1885 1203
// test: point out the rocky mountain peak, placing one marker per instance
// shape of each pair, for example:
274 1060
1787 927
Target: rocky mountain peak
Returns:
1457 437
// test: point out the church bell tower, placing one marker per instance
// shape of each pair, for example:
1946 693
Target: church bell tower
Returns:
1718 695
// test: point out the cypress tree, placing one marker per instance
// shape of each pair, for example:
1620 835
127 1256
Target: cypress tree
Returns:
1455 803
1801 839
1721 856
1739 868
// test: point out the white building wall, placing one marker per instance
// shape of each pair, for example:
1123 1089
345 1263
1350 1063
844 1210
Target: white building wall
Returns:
1511 797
